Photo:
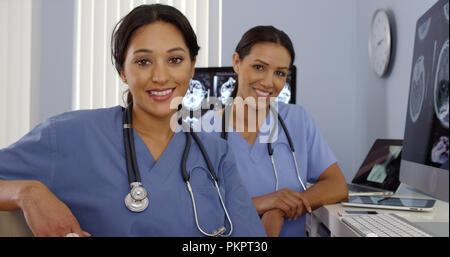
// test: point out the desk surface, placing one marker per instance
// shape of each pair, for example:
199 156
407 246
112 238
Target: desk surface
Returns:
329 217
13 223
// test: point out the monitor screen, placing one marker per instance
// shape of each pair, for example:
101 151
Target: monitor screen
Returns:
220 82
426 143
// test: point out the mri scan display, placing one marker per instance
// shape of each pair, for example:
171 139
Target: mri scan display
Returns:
439 152
441 86
417 91
423 29
285 94
220 82
226 89
446 11
194 95
428 104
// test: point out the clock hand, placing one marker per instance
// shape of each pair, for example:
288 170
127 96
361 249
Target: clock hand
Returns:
379 42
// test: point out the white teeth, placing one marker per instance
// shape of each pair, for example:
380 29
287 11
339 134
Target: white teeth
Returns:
161 93
262 93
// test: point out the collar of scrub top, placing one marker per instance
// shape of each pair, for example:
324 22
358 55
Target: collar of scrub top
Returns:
137 200
225 119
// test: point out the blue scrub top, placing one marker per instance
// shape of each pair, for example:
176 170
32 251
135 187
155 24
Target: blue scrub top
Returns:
312 152
80 157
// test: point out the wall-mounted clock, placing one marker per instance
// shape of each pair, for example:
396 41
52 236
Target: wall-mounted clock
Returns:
380 42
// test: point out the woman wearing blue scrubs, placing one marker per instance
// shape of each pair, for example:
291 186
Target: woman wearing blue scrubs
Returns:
262 60
69 174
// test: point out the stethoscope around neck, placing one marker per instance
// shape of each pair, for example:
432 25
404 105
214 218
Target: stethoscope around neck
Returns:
137 199
225 119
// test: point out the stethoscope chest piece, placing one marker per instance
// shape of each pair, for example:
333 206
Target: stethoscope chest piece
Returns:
136 200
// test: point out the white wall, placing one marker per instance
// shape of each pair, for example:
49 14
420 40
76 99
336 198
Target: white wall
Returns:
351 106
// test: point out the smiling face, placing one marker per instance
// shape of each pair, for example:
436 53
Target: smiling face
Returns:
157 68
263 72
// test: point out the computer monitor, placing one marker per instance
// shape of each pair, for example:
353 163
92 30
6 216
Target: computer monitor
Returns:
220 82
425 155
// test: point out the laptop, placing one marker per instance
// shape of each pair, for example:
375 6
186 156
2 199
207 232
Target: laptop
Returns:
379 173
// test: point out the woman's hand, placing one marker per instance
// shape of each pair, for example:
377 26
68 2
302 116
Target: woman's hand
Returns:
272 221
45 214
292 203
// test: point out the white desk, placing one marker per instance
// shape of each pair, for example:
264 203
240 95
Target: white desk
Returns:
435 221
13 224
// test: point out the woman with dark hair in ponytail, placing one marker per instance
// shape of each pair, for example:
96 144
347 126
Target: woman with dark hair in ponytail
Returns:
126 171
275 169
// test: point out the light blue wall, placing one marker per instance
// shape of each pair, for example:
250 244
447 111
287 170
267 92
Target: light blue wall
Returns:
382 102
323 34
351 106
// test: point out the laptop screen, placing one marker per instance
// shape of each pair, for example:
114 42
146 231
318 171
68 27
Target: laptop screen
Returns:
381 167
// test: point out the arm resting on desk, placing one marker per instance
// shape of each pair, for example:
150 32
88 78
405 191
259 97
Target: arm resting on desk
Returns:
330 188
44 213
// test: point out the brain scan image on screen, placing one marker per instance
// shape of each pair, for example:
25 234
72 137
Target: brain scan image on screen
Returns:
439 153
285 94
226 90
446 11
194 95
423 29
417 92
441 86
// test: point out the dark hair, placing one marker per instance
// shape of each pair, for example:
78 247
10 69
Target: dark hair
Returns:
144 15
261 34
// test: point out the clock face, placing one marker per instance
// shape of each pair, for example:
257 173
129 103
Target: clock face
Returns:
380 42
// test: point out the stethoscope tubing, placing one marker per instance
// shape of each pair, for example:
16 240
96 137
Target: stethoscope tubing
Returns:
138 205
225 118
221 230
133 151
132 168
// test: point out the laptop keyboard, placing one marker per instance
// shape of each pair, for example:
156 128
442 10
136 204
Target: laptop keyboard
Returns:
382 225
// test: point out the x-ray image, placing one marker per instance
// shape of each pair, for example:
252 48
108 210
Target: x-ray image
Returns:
439 152
226 89
224 85
428 104
423 29
441 86
446 11
195 95
417 91
441 102
212 87
285 94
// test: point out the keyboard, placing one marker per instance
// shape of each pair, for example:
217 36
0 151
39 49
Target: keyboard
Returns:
382 225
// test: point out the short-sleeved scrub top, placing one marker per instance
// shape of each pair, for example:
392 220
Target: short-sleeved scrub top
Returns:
312 152
80 157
